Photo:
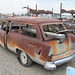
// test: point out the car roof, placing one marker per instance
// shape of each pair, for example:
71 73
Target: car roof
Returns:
33 20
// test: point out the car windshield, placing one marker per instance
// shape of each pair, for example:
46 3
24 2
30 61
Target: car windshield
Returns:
54 28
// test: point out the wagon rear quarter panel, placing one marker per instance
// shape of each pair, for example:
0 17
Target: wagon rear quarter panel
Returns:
28 44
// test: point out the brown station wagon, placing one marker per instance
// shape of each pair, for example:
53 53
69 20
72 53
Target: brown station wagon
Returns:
42 40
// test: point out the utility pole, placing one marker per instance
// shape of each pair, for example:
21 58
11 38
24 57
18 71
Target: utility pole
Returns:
36 11
28 9
13 14
60 11
52 12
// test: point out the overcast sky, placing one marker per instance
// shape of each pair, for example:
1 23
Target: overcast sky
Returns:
10 6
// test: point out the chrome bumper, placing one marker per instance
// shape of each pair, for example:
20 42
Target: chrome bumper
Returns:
57 62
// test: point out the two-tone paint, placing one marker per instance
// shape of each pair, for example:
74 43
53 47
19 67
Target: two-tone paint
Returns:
38 48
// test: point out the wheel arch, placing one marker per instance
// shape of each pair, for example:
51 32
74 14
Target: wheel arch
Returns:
17 50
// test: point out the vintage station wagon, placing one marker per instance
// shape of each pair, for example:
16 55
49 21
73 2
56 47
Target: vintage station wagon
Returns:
42 40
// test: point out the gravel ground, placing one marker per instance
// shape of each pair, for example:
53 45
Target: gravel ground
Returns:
9 65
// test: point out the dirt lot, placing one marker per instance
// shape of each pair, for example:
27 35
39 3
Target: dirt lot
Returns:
9 65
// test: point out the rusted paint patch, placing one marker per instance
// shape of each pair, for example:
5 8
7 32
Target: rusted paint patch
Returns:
2 39
58 48
72 42
28 45
20 43
37 50
72 38
44 48
54 44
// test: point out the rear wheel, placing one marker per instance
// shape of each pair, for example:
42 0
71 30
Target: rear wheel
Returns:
24 59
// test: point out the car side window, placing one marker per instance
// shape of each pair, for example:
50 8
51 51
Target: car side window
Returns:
14 27
29 30
51 30
54 28
3 27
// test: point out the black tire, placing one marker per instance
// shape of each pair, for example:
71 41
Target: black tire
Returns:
29 61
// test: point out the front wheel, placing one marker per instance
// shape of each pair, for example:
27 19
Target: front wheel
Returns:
24 59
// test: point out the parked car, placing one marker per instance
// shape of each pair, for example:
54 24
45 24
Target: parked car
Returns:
42 40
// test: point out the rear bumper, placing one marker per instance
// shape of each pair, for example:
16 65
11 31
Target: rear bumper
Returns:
57 62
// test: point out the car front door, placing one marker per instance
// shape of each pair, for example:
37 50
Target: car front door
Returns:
2 36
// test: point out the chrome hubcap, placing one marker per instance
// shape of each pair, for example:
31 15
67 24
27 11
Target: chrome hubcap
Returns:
23 57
